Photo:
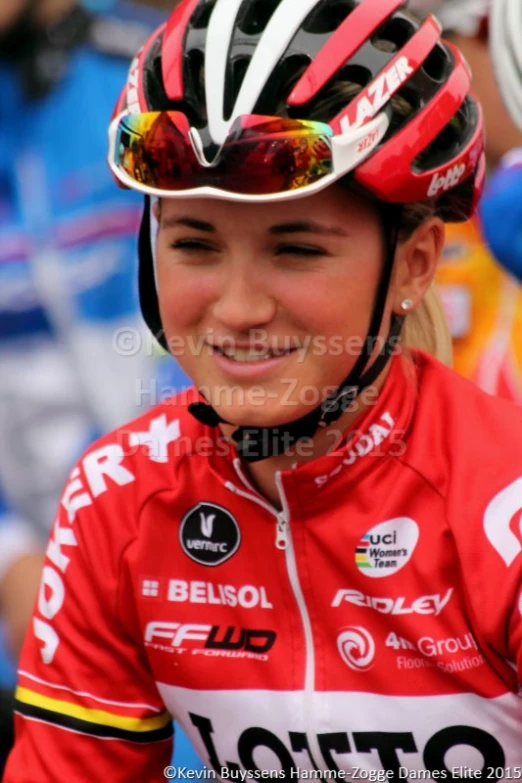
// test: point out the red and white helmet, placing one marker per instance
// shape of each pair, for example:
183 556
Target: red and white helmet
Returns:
393 93
215 60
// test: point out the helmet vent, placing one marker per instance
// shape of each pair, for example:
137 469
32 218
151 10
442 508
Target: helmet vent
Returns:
283 79
237 71
393 34
155 95
436 64
328 16
356 74
201 16
195 84
256 15
338 93
450 142
407 103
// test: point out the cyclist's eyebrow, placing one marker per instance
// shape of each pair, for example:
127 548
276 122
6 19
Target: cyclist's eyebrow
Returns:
188 222
308 227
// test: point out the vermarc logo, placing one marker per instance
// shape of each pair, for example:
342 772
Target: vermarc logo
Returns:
209 534
207 524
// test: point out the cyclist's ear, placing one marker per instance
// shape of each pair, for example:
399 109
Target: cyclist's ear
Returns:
416 262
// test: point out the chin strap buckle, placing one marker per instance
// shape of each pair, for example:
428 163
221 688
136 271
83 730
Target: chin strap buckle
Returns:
333 408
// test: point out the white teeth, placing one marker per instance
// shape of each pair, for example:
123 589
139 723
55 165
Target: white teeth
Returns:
250 355
247 355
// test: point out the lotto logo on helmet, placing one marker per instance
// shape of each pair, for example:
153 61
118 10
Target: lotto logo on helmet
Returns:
387 547
209 534
356 647
443 182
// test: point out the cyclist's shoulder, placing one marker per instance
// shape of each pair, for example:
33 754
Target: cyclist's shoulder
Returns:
172 414
450 395
460 432
149 446
121 471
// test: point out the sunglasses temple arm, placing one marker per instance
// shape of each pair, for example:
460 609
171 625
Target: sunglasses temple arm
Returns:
350 149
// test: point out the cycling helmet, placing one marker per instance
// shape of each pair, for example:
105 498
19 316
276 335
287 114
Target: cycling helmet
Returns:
218 60
506 53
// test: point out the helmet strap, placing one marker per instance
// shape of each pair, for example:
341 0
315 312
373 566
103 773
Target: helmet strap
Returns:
147 278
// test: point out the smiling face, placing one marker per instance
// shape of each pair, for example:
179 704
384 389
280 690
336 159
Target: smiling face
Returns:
267 306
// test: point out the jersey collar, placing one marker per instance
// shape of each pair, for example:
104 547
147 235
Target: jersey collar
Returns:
380 432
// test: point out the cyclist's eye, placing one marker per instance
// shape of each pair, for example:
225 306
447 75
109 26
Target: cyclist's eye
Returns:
191 245
300 250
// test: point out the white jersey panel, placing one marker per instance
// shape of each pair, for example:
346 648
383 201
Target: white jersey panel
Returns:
364 730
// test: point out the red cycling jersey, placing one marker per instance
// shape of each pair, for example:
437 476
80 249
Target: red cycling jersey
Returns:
374 623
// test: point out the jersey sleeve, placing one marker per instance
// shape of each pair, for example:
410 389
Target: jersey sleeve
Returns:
87 707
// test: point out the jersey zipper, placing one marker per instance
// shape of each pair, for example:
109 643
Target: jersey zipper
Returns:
281 516
309 682
284 541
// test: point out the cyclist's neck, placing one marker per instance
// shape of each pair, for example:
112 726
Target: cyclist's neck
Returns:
262 474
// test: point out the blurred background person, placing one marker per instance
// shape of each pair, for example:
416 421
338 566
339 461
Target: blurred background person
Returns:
74 359
66 268
501 207
483 303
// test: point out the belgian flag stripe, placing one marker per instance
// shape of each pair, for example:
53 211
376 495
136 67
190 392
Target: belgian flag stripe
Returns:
91 721
92 729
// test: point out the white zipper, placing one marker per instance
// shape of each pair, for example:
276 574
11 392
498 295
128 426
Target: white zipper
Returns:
284 541
282 523
281 516
309 684
282 536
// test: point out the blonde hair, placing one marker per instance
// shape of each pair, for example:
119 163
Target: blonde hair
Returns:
427 329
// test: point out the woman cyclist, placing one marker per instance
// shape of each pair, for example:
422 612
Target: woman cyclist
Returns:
312 560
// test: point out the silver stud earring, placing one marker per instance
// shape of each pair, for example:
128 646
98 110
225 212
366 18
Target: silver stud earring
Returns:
406 304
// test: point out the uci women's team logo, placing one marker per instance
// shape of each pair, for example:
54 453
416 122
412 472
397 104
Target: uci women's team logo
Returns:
387 547
209 534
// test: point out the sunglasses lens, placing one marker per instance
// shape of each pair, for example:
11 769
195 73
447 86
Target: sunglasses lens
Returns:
154 149
276 155
261 156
